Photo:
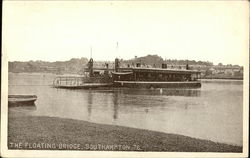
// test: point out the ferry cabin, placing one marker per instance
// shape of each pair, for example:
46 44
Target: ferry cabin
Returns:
155 75
155 78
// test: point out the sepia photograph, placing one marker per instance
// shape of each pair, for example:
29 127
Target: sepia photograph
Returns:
125 79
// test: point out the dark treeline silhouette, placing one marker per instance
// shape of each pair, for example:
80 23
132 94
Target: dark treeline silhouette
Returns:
157 60
76 66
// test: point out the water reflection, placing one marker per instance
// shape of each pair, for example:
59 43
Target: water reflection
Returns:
90 102
138 99
24 109
116 105
164 91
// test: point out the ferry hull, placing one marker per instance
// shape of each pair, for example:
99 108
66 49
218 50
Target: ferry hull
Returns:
141 84
84 86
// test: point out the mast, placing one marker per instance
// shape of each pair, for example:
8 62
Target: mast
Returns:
90 52
117 49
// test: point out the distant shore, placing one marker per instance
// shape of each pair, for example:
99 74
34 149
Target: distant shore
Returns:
52 133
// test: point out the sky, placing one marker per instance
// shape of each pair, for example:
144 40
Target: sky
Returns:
61 30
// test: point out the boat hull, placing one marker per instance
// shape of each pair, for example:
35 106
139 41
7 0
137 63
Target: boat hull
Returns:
142 84
21 100
84 86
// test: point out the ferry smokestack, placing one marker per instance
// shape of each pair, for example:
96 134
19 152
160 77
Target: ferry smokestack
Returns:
107 69
90 66
116 64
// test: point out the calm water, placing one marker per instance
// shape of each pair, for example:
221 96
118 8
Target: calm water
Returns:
213 112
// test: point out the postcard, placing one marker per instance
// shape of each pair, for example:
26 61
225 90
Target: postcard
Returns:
125 79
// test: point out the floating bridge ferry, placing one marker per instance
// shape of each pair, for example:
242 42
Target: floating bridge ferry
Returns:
131 77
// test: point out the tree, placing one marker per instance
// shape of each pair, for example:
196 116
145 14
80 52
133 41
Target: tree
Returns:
220 64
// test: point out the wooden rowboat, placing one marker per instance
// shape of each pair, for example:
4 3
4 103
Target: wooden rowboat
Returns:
21 100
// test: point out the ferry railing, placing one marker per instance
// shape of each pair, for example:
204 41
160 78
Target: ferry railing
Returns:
78 81
68 81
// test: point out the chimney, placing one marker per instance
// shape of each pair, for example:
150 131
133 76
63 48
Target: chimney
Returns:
116 64
90 66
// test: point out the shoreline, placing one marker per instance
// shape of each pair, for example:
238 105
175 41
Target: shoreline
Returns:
53 133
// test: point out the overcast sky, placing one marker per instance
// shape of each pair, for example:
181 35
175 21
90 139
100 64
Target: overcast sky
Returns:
61 30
